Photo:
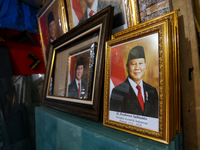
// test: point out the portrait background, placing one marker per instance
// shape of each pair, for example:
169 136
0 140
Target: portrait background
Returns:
119 55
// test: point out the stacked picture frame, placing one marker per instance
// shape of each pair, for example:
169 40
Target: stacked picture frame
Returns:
126 75
160 118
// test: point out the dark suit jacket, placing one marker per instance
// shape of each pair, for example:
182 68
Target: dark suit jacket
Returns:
124 99
73 90
118 18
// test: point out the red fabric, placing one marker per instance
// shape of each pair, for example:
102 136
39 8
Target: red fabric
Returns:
139 96
20 62
77 8
117 66
18 53
72 69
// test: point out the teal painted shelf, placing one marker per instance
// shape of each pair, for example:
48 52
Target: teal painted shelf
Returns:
56 130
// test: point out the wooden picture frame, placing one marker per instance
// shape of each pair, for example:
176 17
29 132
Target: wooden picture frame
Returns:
52 21
90 37
122 109
126 13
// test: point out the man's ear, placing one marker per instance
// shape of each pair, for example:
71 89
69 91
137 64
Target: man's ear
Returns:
126 67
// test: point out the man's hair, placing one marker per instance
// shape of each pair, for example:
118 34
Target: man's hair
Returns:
136 52
80 61
50 17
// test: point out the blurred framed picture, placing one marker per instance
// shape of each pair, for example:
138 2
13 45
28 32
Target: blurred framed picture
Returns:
125 12
52 23
140 99
74 75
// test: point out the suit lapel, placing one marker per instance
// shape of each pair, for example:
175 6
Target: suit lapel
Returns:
146 104
84 17
75 87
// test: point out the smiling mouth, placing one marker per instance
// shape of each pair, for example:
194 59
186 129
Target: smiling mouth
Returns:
137 73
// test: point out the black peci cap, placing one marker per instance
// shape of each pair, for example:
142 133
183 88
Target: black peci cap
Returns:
136 52
80 61
50 17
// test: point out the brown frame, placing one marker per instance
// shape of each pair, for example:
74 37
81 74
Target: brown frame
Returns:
101 22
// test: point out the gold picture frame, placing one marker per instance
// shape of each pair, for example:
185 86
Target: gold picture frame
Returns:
52 11
127 11
172 17
157 41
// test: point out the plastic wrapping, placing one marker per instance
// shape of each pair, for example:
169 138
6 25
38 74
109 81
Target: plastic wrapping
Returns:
28 88
67 75
18 16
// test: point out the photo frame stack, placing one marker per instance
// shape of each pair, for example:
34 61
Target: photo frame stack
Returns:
146 54
130 79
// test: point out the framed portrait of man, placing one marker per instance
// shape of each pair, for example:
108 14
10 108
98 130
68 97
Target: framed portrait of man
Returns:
139 81
52 23
134 91
74 75
81 66
125 12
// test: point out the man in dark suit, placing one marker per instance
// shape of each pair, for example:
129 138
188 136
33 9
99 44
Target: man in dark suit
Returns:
134 96
94 6
78 89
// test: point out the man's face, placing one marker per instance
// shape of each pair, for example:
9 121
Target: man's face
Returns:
52 30
79 71
136 69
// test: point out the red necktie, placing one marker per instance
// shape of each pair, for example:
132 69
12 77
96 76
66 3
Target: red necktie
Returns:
79 89
91 13
139 96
